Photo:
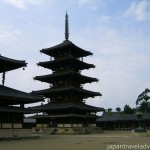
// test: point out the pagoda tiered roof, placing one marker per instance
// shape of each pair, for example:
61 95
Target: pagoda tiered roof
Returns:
66 106
68 61
66 90
66 47
7 64
70 75
9 96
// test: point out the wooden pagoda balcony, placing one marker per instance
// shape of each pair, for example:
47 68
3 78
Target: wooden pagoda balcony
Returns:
70 63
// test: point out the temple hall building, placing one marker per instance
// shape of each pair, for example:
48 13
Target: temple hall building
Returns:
12 101
118 121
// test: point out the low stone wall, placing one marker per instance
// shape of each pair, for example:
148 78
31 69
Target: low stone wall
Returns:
64 125
10 125
38 130
18 126
7 125
67 130
4 133
42 125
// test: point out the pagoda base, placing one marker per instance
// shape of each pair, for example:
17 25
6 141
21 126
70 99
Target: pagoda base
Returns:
67 130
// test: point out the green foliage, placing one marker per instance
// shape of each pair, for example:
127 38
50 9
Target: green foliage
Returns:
128 109
109 113
144 107
109 109
121 113
143 96
142 101
118 109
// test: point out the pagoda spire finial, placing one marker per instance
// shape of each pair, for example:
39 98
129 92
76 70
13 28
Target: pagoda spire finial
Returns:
66 27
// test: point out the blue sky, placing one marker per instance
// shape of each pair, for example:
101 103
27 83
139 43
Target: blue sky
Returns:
117 32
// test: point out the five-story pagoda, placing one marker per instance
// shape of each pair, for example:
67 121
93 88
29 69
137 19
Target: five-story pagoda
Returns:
66 107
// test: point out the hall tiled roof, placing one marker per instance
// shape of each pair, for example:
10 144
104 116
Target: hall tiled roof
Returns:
12 96
14 109
65 106
122 117
64 115
8 64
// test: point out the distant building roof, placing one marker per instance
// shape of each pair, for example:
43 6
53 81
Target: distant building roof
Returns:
7 64
13 97
121 117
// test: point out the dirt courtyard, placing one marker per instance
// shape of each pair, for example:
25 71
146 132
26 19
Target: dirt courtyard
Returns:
104 141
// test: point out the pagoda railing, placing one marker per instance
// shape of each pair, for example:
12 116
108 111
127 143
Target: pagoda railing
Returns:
64 57
67 57
65 71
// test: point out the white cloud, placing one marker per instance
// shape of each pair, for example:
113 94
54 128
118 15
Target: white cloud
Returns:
4 37
105 19
80 2
24 78
89 4
22 4
121 61
7 36
121 55
138 10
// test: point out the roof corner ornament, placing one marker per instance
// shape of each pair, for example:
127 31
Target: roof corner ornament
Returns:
66 27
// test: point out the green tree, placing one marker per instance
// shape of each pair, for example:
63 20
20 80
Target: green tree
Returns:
128 109
118 109
144 107
142 101
109 110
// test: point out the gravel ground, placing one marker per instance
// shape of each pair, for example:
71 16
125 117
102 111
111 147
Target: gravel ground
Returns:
104 141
